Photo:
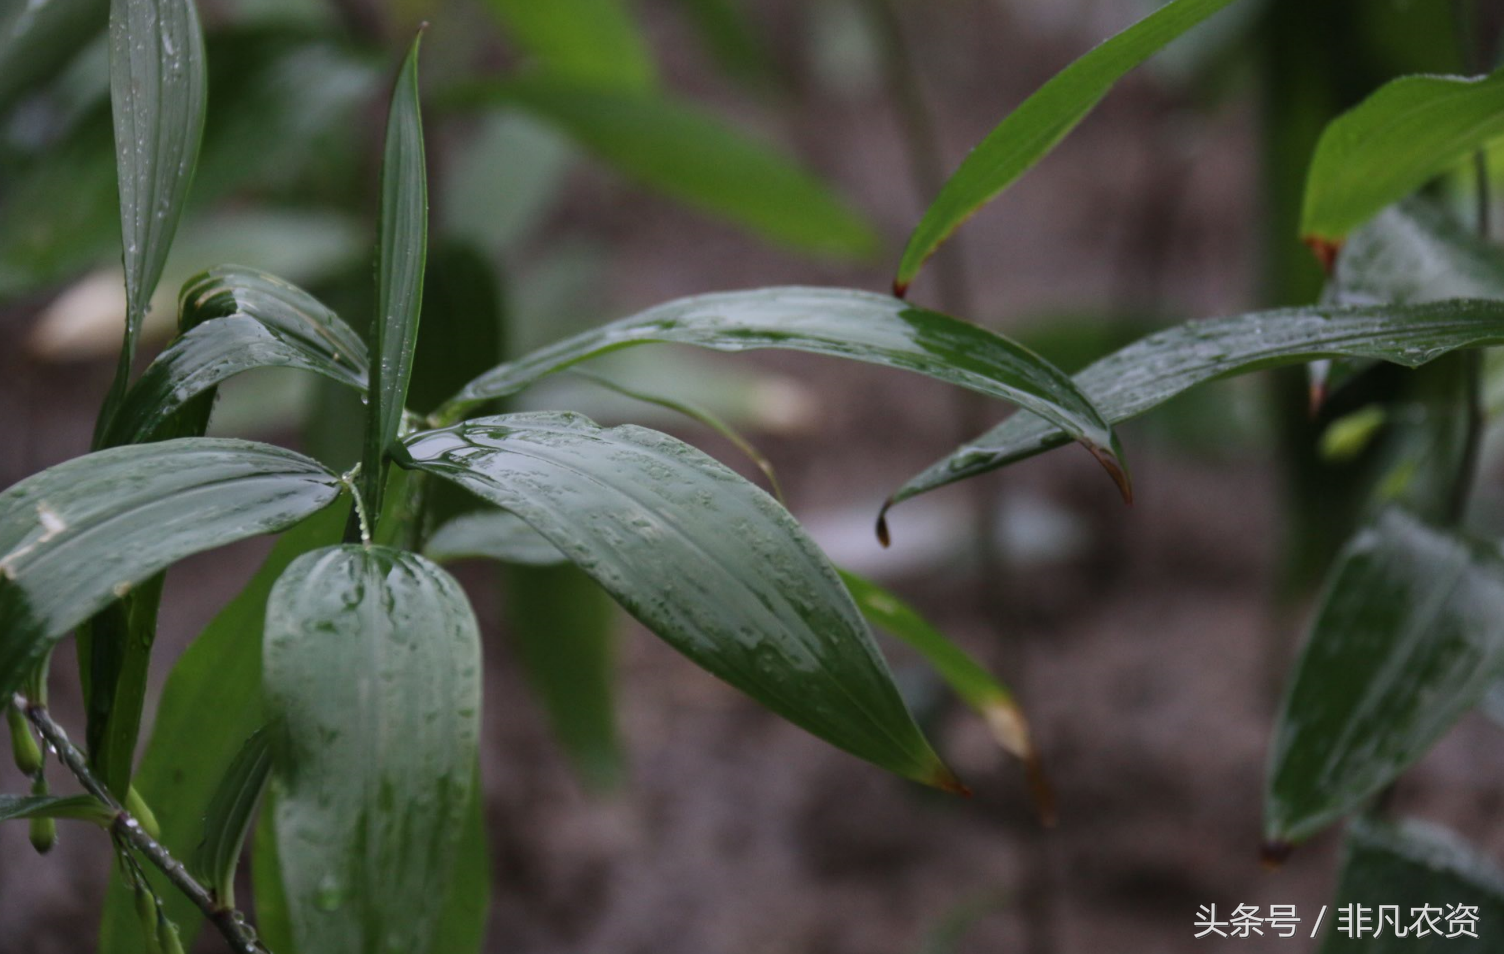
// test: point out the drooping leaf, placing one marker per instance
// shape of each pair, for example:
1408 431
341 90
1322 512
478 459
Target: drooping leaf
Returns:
563 626
591 41
1425 873
228 818
492 535
401 250
39 37
1039 123
861 326
78 807
157 504
372 664
1409 131
1409 636
687 153
647 517
1154 369
186 755
158 92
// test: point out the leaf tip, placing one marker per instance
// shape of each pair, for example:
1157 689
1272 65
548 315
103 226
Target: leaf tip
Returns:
945 780
1113 464
1326 251
900 288
883 536
1275 852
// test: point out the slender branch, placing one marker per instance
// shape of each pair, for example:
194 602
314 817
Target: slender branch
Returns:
230 922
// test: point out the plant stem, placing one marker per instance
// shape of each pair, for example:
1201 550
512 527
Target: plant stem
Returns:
230 922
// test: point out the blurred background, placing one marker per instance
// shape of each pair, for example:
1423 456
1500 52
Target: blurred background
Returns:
706 145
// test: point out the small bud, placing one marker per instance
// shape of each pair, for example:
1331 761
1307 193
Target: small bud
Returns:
23 745
146 913
167 935
142 813
43 834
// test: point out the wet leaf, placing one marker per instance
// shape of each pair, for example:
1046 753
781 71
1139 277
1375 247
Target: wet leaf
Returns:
1155 369
79 807
1409 636
159 502
229 816
691 155
372 664
1416 251
703 558
401 250
592 41
1409 865
1407 132
1039 123
492 535
842 323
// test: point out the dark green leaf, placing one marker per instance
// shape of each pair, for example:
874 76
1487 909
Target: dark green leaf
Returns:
1040 122
703 558
493 535
79 807
1412 865
186 755
1152 370
563 627
402 248
732 37
861 326
592 41
1409 131
156 504
158 91
228 818
467 907
463 324
1409 636
372 664
685 152
39 37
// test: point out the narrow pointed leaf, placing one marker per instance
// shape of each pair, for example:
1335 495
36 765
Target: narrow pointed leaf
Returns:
1412 864
1040 122
81 534
78 807
1408 132
158 92
401 250
692 155
229 816
39 37
1155 369
1409 636
186 756
703 558
372 664
591 41
860 326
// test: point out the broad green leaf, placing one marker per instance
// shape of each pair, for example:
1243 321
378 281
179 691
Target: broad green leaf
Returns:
187 756
155 504
703 558
1412 865
157 91
371 662
563 626
228 818
591 41
1408 132
1155 369
861 326
492 535
1409 636
1040 123
1415 252
692 155
401 250
39 37
78 807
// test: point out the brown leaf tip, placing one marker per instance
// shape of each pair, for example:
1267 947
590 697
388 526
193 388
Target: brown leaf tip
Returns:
883 536
1326 251
900 288
1274 853
1114 470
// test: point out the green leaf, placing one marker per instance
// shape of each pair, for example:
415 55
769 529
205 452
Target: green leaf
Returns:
187 756
467 906
1409 636
563 627
79 807
691 155
492 535
157 91
1040 123
1406 133
732 37
39 37
401 251
372 664
861 326
1414 252
1410 865
1155 369
703 558
228 818
156 504
591 41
